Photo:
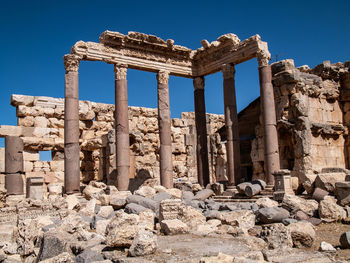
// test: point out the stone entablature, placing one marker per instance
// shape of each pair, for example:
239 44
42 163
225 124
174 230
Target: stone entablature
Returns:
151 53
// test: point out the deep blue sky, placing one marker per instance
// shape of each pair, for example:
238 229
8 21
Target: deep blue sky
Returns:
36 34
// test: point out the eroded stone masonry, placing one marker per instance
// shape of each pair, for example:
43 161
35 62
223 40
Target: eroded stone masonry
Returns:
132 182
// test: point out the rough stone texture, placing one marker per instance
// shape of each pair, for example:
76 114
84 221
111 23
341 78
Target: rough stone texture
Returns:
329 211
345 240
243 219
41 124
122 230
276 236
294 203
173 227
145 243
303 234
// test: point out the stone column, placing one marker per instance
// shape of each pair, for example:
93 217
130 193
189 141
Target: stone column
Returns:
71 126
231 123
122 127
201 129
164 123
272 159
14 165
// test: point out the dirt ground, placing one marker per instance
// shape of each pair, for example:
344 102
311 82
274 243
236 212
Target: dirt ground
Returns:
190 248
331 234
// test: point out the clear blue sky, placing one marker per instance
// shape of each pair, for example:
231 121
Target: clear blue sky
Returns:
36 34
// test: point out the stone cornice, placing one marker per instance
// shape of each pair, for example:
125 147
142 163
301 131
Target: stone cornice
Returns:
150 53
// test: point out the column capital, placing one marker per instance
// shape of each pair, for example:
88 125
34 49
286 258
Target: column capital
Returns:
198 83
163 77
263 57
120 71
71 63
228 71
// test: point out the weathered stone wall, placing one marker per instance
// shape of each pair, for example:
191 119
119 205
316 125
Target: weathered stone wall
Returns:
311 120
41 122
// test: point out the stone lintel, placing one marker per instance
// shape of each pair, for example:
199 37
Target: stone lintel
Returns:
150 53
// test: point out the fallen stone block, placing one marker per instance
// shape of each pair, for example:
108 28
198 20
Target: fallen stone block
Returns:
145 243
203 194
303 234
345 240
173 227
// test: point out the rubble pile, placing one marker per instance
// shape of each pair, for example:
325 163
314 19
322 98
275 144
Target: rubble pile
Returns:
104 224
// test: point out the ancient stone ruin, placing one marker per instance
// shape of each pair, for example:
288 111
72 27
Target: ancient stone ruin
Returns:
127 181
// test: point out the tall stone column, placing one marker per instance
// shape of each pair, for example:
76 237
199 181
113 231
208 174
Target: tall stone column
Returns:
201 128
14 165
122 127
272 159
164 123
231 123
71 125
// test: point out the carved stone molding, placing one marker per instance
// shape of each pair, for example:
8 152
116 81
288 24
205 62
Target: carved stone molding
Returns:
228 71
71 62
120 71
163 77
198 83
263 57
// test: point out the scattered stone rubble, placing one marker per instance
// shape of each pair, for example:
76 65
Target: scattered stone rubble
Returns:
106 225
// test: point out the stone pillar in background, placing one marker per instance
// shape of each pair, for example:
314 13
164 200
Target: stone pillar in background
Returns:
164 123
272 159
231 123
71 125
14 165
122 127
201 128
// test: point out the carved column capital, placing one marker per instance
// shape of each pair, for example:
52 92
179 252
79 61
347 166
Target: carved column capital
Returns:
228 71
163 77
120 71
263 57
71 62
198 83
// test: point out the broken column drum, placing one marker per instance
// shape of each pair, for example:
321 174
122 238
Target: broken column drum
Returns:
164 123
122 127
231 123
14 165
271 154
201 129
71 126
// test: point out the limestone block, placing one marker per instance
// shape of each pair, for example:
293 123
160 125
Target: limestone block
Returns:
17 99
57 166
170 209
28 166
30 156
2 160
25 121
329 211
56 123
40 121
48 102
303 234
7 130
326 181
34 186
88 134
173 227
85 110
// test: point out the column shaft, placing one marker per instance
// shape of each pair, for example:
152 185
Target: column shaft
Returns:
201 129
272 161
71 126
14 165
164 123
231 123
122 127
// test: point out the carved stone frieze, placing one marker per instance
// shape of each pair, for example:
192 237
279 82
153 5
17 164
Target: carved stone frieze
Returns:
71 62
120 71
151 53
198 83
163 77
